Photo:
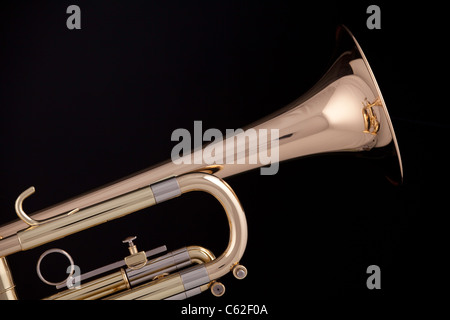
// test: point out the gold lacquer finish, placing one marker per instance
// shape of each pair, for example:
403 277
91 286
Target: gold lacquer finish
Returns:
82 220
327 119
371 124
196 278
28 220
155 290
236 219
96 289
119 281
199 254
7 287
135 260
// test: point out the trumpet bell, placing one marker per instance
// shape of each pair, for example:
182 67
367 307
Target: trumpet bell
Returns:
344 113
376 116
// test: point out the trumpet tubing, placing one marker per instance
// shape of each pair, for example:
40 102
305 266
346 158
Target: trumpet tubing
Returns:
124 279
7 286
343 112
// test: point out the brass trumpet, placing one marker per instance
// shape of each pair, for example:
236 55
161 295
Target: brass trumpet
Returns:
343 112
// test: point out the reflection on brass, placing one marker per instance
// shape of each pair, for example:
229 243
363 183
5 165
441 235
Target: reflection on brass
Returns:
324 120
96 289
371 124
28 220
135 260
7 286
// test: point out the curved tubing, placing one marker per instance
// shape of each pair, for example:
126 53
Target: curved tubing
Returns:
236 219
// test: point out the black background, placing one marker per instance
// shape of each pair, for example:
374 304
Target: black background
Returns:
82 108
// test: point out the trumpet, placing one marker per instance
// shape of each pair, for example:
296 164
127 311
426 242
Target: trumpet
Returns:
344 112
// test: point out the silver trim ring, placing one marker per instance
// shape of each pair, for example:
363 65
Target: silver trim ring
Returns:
38 266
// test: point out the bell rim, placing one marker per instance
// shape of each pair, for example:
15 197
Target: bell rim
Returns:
377 88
